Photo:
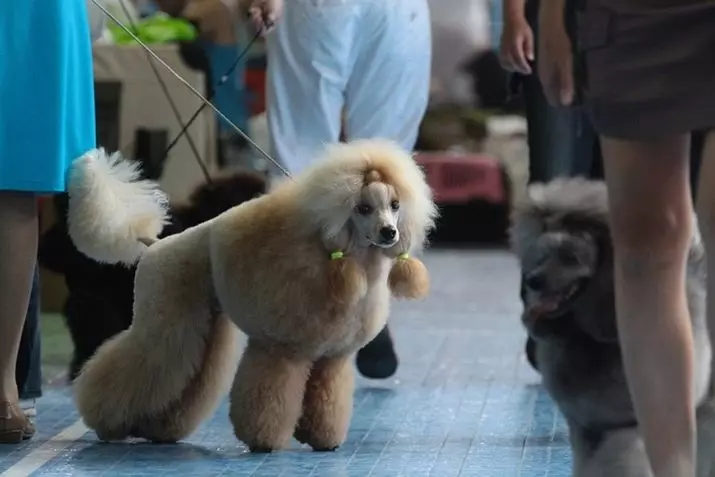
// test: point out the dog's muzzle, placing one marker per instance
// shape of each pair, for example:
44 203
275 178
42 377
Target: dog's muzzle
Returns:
388 236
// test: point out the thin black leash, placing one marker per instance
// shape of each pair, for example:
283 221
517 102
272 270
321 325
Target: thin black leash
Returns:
169 98
222 81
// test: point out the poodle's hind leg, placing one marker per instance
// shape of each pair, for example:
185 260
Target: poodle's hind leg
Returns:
328 403
203 394
266 397
146 371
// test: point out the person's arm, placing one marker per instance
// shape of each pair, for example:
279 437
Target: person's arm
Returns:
513 9
552 11
516 50
555 62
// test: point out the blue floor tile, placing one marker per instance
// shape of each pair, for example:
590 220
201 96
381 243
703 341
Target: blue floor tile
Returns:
463 403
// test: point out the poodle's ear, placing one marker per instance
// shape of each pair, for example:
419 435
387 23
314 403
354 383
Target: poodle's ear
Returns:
347 280
409 277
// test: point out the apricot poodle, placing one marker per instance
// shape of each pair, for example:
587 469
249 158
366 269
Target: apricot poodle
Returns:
304 272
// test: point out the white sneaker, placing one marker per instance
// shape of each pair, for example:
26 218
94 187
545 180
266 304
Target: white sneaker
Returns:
29 409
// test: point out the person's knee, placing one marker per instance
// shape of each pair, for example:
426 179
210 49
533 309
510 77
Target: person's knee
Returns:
649 239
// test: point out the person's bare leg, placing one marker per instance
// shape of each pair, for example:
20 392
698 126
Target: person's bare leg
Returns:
651 224
18 253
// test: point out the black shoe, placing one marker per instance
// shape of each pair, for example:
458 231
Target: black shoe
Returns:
378 360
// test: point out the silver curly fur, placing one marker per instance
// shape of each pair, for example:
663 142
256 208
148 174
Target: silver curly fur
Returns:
561 237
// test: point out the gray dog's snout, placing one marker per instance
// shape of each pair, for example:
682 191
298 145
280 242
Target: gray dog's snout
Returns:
388 233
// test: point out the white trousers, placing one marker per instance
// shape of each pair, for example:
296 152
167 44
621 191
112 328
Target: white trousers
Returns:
368 58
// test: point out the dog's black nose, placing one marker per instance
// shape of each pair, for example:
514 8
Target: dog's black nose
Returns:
536 282
388 233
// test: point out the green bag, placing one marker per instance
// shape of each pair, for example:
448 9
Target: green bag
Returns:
158 28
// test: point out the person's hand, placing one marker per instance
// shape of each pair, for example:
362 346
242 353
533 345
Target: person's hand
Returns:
555 62
517 46
265 13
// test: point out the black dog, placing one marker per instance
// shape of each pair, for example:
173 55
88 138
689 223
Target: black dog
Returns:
491 83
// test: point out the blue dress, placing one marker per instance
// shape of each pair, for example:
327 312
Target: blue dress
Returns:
46 92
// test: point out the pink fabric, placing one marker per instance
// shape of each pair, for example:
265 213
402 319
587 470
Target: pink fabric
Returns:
460 178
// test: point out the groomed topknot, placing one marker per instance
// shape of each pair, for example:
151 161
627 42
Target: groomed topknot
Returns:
548 205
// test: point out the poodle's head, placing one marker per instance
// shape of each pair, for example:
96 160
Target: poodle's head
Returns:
368 193
562 239
376 214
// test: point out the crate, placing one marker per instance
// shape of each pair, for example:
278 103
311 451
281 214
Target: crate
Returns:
463 178
473 193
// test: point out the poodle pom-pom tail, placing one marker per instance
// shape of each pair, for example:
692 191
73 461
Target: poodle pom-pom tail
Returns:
113 213
409 279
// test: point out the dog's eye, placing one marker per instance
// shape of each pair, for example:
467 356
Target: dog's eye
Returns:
395 204
363 209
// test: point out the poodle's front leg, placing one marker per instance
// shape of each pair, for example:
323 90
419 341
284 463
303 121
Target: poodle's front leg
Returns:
266 397
328 404
616 453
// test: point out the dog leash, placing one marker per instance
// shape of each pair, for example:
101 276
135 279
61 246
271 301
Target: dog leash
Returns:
204 100
169 98
222 81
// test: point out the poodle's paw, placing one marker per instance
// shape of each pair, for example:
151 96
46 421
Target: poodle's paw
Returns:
326 449
324 441
161 430
333 449
257 449
260 435
105 435
378 360
264 442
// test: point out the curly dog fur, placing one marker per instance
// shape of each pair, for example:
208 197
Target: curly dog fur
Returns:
100 296
562 238
305 272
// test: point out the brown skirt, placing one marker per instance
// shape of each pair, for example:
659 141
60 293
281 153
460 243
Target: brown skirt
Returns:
650 73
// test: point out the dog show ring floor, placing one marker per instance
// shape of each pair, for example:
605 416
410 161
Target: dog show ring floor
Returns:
464 402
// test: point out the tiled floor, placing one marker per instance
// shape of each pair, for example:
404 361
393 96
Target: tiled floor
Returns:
464 403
